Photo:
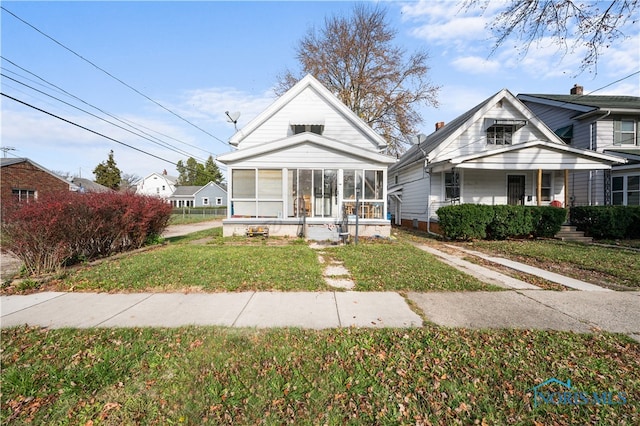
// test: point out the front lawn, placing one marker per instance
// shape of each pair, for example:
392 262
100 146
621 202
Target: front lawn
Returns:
207 375
400 266
587 262
205 261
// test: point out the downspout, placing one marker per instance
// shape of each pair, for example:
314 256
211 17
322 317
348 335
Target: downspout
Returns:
428 172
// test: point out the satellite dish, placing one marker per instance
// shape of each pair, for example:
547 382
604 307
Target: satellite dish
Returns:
233 118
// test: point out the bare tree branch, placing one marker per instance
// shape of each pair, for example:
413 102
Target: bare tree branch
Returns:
594 25
356 59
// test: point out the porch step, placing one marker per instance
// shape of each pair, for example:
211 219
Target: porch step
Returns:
569 233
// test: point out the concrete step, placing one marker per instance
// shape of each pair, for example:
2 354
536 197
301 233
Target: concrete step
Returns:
570 233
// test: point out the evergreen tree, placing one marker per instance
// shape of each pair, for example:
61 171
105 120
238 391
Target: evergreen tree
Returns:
108 174
198 174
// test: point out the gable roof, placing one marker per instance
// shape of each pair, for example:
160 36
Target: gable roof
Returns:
83 184
170 179
420 152
302 138
586 103
11 161
299 87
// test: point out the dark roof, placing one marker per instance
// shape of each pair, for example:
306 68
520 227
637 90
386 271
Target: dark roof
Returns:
10 161
186 190
602 102
89 185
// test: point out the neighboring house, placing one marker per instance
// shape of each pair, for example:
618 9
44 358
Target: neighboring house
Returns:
157 185
300 165
605 124
85 185
24 180
499 152
209 195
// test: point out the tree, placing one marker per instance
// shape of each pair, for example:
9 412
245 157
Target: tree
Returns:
128 182
571 24
197 174
356 59
108 174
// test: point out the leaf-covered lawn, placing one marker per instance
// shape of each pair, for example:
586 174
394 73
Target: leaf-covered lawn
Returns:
206 267
204 375
400 266
617 266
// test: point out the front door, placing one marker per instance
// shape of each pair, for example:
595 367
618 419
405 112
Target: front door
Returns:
515 190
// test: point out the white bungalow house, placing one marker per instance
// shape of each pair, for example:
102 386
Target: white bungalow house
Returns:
301 164
209 195
607 124
498 152
159 185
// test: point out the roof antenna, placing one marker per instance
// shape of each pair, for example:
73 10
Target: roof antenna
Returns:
233 118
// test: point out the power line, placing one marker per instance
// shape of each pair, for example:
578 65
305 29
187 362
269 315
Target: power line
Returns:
86 128
110 75
160 143
124 121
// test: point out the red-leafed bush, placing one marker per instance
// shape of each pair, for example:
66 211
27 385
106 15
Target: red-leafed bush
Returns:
68 227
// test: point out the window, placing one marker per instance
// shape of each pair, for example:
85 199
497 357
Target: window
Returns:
499 135
545 187
312 128
624 132
257 193
500 131
24 194
452 185
625 190
218 201
205 201
370 185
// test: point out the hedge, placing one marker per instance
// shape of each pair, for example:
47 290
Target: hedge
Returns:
607 222
477 221
68 227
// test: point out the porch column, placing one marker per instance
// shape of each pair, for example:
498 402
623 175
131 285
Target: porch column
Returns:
539 188
566 188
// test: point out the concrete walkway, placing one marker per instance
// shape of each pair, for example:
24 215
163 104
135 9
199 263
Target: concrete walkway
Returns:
314 310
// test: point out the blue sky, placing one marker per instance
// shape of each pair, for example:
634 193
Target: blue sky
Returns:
200 59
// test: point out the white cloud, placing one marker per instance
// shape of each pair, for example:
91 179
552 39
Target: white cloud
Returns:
211 104
476 65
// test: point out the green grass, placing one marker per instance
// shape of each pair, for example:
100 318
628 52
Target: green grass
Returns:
206 267
183 219
400 266
206 375
618 266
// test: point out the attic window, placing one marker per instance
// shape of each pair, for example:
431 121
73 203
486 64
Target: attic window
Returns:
313 128
500 132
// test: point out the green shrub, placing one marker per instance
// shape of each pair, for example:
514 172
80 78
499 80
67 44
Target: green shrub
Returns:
474 221
509 221
547 221
465 221
608 222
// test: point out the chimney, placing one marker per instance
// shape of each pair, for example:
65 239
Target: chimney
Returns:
576 90
439 125
164 172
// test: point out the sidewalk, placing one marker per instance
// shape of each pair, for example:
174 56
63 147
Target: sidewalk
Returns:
314 310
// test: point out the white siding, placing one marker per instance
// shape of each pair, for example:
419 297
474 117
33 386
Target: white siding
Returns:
473 140
307 106
415 192
306 156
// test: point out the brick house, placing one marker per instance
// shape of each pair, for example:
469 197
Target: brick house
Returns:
23 179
